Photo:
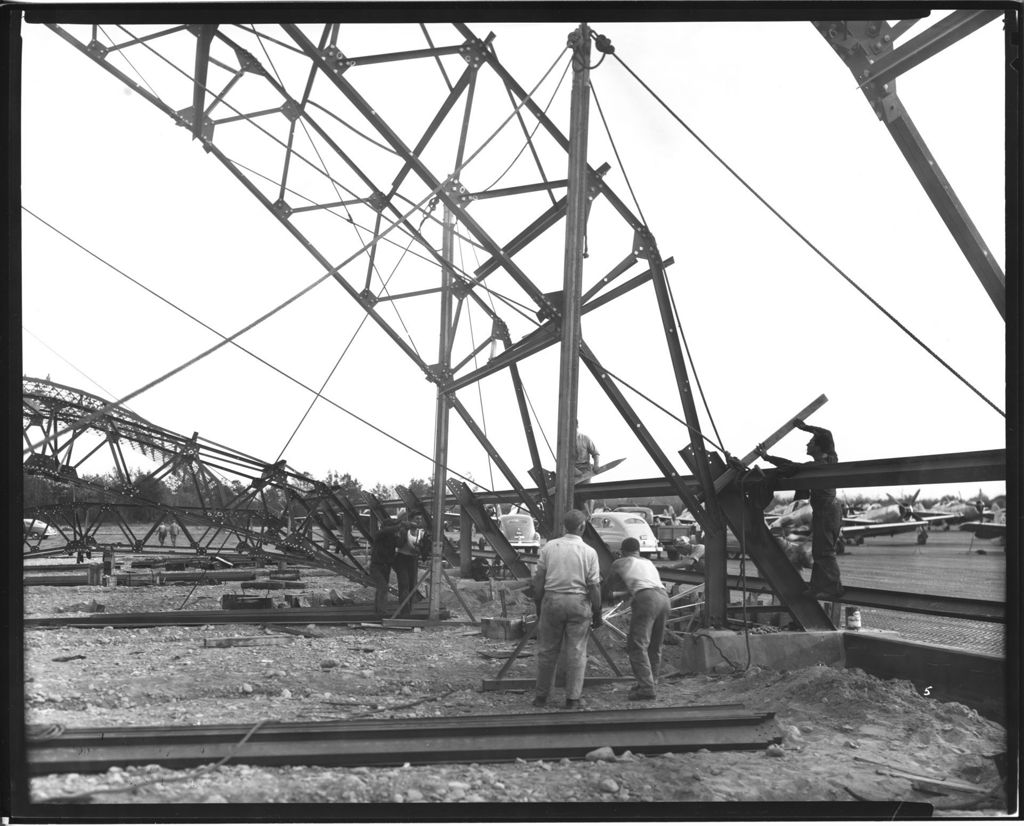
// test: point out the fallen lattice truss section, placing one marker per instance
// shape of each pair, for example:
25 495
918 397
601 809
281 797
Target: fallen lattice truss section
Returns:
306 521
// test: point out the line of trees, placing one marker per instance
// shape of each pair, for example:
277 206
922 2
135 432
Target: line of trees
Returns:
178 491
350 486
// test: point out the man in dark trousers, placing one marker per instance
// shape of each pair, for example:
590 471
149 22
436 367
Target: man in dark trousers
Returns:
826 514
395 547
639 579
567 591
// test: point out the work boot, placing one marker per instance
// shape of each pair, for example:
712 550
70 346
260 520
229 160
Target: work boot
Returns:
539 701
639 693
576 704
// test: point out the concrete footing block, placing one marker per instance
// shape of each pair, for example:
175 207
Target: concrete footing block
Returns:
713 651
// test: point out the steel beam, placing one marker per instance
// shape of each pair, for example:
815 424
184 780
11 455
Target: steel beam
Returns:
976 466
747 525
715 556
674 483
980 610
518 190
545 335
465 543
441 409
525 496
551 216
389 57
335 615
537 470
862 45
204 37
461 739
952 212
572 279
486 526
946 32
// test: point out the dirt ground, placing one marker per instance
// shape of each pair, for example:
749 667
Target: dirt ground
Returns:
835 722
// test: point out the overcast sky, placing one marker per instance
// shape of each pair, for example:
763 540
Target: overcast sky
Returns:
770 326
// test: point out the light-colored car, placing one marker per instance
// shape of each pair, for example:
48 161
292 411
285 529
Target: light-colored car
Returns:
37 529
520 531
615 526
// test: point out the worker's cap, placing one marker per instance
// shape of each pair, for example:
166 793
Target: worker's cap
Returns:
630 545
574 519
824 441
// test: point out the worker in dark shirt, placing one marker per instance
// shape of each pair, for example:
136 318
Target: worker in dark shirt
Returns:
396 547
826 514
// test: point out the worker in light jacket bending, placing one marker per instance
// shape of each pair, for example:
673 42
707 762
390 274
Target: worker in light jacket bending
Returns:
637 577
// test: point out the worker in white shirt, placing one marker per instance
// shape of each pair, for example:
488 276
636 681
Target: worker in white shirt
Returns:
567 591
638 577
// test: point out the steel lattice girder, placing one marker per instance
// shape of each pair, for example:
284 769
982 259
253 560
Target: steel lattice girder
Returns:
416 177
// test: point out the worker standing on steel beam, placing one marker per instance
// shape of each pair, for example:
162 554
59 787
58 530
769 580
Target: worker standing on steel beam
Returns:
649 608
585 449
567 591
395 547
826 514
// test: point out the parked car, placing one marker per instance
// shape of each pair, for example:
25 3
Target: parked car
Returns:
676 535
37 529
639 510
615 526
520 531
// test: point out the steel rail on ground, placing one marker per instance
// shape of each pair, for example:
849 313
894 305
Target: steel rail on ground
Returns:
335 615
466 739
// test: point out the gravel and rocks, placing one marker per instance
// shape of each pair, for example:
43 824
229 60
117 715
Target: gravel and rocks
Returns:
840 727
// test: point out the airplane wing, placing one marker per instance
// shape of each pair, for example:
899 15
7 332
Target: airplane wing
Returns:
934 516
985 530
853 520
879 529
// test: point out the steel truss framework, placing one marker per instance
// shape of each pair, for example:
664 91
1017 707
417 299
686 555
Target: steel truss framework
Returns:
334 151
376 179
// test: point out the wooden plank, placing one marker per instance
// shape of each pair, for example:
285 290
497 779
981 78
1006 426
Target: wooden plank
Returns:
930 784
409 623
246 642
272 585
730 474
526 683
